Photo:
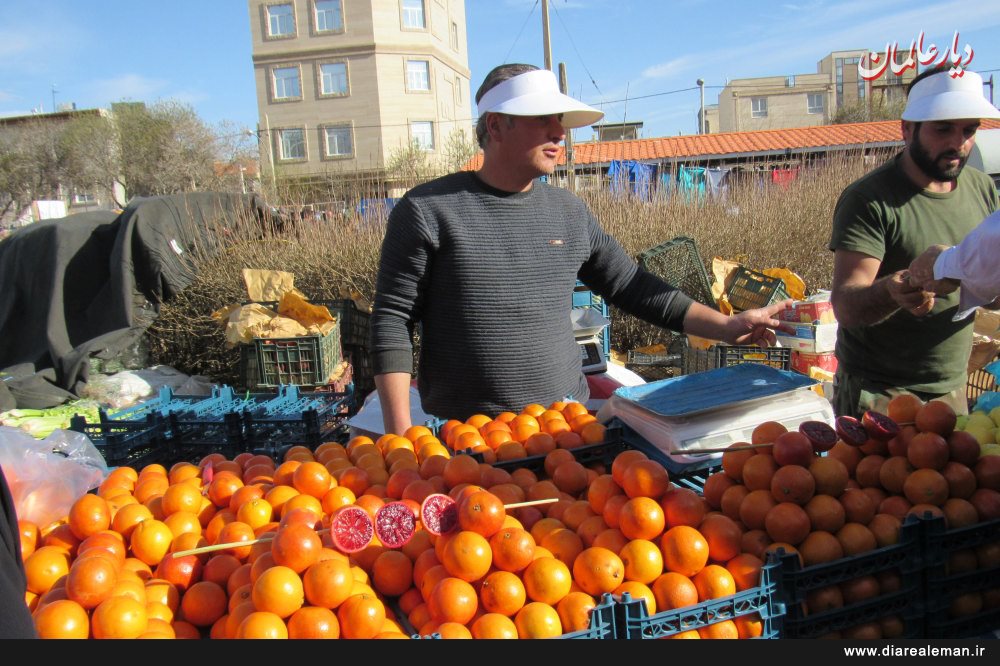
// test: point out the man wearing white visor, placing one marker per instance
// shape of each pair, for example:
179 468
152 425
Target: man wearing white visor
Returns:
486 262
894 336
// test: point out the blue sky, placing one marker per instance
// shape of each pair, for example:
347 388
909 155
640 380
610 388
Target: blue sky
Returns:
198 51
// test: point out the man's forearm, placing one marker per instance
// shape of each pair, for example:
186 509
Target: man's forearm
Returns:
855 305
394 397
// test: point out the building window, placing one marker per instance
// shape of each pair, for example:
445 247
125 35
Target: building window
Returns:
422 134
328 15
454 36
333 79
758 107
291 144
337 141
814 103
280 20
83 198
413 14
418 76
287 84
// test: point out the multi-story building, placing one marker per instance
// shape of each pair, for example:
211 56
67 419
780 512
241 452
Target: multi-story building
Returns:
343 85
804 100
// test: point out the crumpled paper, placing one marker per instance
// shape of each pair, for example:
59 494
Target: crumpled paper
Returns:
264 285
985 339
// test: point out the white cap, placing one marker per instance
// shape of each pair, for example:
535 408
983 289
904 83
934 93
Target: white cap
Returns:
536 93
943 97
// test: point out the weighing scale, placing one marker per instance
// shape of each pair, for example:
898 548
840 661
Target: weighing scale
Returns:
716 408
587 326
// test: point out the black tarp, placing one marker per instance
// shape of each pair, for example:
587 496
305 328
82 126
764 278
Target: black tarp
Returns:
90 284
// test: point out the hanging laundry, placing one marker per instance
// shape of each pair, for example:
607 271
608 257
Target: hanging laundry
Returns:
784 176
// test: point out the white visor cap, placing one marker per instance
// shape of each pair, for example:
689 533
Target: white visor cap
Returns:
536 93
941 97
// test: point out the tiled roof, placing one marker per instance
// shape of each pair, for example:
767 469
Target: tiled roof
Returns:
739 144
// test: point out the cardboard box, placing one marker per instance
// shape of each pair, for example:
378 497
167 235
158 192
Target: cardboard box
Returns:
803 362
811 338
817 312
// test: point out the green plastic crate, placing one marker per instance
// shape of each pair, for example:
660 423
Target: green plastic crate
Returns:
750 289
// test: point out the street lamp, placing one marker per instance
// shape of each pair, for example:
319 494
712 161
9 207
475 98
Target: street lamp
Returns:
701 116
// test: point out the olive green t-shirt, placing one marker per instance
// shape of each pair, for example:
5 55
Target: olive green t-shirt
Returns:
888 217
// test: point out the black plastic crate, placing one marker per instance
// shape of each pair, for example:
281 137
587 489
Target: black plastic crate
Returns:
750 289
678 263
724 356
905 557
194 438
658 365
363 369
306 360
128 443
635 623
942 588
354 322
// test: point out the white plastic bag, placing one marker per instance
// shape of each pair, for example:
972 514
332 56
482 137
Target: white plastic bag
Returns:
46 476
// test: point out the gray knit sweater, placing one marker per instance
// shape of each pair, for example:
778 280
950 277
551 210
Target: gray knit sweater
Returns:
489 276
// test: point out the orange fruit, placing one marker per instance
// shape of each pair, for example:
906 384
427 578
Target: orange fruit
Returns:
278 590
467 555
262 624
150 541
645 478
598 570
713 582
453 600
685 550
574 611
313 622
538 620
88 515
673 590
641 518
44 567
91 580
203 603
481 512
493 625
62 619
392 573
513 549
296 547
119 617
328 583
502 592
643 561
547 580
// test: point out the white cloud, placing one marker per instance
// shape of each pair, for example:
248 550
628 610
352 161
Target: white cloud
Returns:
670 68
128 86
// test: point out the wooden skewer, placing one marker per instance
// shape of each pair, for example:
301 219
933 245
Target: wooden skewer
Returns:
518 505
269 537
748 447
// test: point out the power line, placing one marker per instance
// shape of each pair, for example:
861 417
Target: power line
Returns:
528 18
660 94
573 44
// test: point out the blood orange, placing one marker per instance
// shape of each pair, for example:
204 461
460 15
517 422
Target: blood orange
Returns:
879 426
395 524
351 529
820 435
850 431
439 514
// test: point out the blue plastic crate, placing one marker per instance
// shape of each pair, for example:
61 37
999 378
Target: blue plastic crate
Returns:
635 623
603 622
294 417
584 298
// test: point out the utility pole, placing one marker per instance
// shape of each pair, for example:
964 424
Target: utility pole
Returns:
54 91
701 115
990 84
570 161
546 44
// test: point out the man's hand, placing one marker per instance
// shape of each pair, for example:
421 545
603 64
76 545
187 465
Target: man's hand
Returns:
757 326
907 296
922 272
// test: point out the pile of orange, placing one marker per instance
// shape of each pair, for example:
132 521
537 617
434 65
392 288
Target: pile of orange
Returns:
854 499
108 570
